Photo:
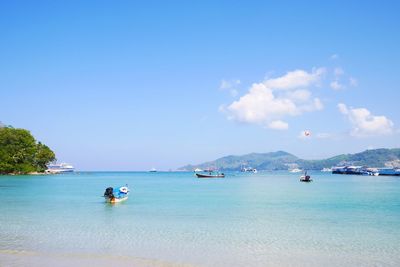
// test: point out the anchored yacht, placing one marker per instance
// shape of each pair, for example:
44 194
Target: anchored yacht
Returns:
60 168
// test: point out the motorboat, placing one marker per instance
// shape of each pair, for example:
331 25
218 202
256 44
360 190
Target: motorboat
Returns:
115 195
356 170
305 178
248 169
210 175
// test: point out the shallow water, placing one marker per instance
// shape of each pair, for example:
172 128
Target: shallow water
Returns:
175 219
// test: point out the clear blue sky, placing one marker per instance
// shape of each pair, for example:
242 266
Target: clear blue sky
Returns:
131 85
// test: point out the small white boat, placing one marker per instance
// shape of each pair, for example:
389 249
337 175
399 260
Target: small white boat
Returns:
370 171
305 178
117 195
198 170
153 170
295 170
249 169
326 170
59 168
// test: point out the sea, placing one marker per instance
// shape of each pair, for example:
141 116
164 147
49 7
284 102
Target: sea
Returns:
175 219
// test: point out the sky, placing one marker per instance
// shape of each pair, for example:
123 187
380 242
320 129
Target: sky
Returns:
132 85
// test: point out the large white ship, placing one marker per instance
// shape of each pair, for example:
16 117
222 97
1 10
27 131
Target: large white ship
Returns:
59 168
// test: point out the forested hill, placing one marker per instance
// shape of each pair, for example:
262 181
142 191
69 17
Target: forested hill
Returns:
281 160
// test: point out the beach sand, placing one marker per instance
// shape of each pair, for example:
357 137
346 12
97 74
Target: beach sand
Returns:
17 258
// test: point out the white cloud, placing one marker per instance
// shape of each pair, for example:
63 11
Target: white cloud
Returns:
366 124
295 79
341 80
264 106
260 105
299 95
343 108
278 125
230 85
336 85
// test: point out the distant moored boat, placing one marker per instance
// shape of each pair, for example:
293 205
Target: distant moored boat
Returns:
248 169
305 178
210 175
59 168
389 171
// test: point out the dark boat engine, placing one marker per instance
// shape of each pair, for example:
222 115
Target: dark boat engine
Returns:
109 192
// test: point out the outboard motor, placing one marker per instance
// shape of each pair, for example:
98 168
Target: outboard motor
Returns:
109 192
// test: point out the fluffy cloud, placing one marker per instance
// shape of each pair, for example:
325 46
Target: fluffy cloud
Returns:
364 123
266 104
295 79
299 95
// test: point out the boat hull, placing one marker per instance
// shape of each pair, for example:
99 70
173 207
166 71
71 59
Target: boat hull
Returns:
115 200
199 175
389 172
305 178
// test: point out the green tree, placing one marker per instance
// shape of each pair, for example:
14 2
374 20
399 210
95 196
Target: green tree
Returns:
20 153
43 156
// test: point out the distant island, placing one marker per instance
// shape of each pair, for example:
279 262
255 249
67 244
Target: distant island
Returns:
20 153
282 160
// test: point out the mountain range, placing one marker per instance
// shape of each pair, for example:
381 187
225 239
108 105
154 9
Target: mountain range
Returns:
281 160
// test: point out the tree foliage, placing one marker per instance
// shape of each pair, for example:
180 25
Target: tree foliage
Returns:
20 153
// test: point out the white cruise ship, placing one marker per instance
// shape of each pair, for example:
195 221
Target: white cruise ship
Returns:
59 168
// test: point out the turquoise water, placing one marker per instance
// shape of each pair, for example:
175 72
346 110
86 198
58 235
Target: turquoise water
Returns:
175 219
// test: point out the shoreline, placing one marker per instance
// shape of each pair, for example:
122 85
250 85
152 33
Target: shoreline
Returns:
22 174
